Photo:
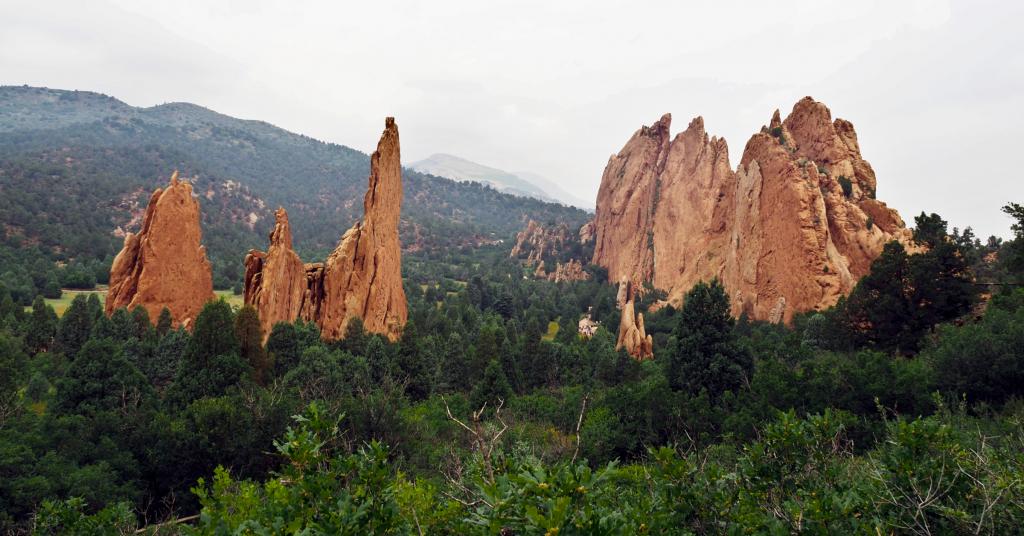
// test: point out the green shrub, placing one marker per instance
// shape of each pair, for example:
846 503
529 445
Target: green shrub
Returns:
846 185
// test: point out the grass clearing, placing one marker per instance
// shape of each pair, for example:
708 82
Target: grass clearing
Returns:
61 304
552 331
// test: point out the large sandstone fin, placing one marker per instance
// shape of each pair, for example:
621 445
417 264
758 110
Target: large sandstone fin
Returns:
790 230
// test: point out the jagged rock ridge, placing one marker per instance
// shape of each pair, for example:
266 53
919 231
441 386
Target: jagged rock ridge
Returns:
165 264
361 278
791 229
536 243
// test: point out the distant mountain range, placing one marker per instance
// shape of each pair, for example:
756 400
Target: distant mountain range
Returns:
521 183
77 168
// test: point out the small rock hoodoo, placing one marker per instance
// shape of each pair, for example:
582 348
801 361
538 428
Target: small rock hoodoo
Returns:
632 335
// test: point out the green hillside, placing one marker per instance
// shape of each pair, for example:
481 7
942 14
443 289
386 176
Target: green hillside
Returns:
75 167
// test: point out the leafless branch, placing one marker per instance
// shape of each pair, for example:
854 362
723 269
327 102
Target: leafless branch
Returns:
579 424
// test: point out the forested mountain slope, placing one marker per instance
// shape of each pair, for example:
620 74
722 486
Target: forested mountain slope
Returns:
77 167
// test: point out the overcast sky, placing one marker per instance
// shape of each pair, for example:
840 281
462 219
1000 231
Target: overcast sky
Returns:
934 88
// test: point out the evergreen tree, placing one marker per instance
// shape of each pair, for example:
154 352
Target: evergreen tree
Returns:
905 296
378 357
356 337
101 379
75 326
706 355
415 362
164 322
1011 256
161 365
12 374
493 388
287 342
942 285
250 343
878 313
42 326
51 287
141 327
211 361
94 305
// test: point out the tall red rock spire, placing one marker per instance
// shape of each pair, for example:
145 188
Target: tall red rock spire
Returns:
362 277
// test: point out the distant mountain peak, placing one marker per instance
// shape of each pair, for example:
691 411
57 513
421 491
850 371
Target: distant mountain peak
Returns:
521 183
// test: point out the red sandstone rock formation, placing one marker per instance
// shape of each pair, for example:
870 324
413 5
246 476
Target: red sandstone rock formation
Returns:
165 264
569 271
362 278
625 204
536 242
275 281
587 232
792 229
632 335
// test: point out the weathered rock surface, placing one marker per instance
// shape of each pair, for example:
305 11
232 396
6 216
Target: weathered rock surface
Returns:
165 264
361 278
791 229
623 221
568 271
275 281
536 242
632 335
587 232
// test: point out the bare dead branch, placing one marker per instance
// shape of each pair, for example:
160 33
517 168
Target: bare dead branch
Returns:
579 424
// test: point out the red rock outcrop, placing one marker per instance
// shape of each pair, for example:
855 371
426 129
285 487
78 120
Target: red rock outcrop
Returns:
568 271
632 335
536 242
792 229
623 221
275 281
361 278
165 264
587 232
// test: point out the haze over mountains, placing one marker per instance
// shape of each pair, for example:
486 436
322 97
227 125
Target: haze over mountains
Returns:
521 183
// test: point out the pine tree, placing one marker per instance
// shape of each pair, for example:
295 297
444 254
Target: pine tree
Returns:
75 326
211 361
878 312
164 322
493 388
287 342
101 379
706 354
250 343
42 326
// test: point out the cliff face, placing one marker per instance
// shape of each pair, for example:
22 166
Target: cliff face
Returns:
791 229
165 264
361 278
623 221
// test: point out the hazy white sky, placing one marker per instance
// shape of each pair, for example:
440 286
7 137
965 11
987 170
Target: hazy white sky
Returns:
934 88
